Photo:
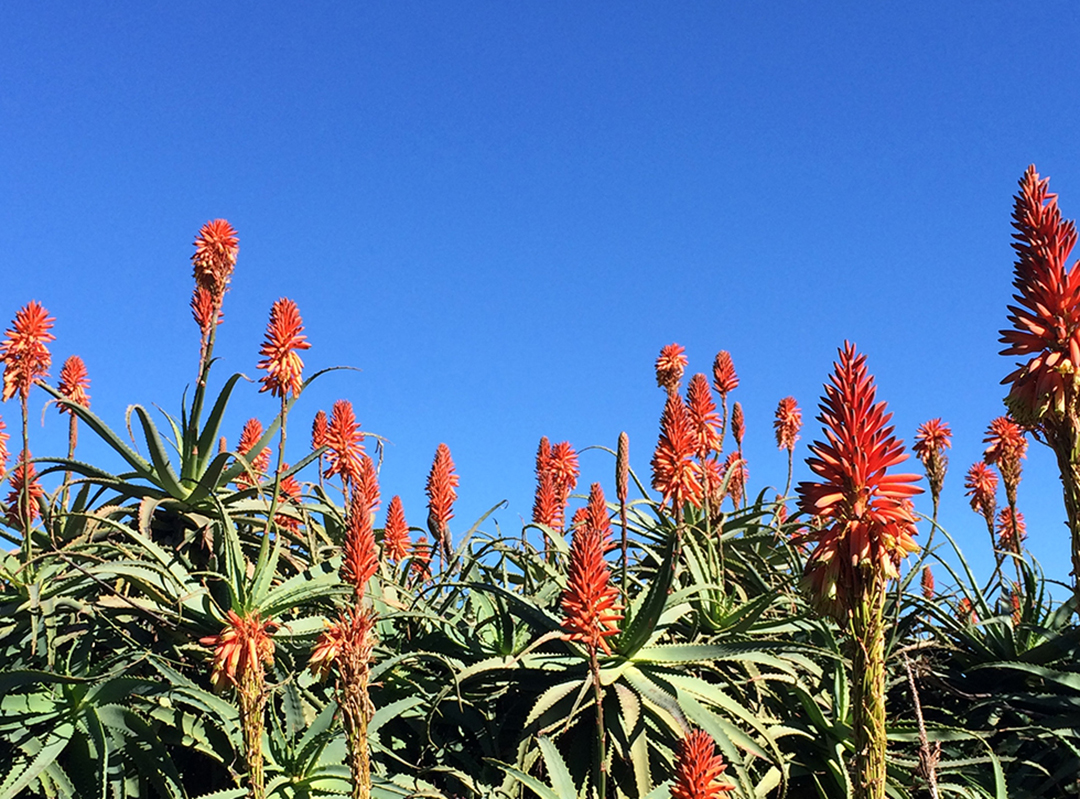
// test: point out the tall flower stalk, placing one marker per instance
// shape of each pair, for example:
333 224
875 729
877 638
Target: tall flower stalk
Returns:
868 524
787 424
591 610
1044 389
213 262
441 493
932 438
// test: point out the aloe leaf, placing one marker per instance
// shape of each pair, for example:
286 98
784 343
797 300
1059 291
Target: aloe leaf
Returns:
561 781
209 435
21 774
530 782
549 698
320 581
164 475
640 627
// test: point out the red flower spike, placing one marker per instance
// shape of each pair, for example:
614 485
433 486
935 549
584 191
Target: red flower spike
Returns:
284 368
24 353
4 437
440 491
345 443
289 493
670 367
202 309
704 420
927 583
698 767
675 473
249 437
965 612
396 533
216 248
563 465
421 558
1046 317
327 651
1010 536
981 484
360 561
932 437
787 423
591 603
318 431
738 426
74 381
367 484
867 512
1006 440
243 645
724 378
17 510
735 472
545 504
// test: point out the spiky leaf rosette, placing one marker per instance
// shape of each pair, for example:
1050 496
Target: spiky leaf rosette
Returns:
868 521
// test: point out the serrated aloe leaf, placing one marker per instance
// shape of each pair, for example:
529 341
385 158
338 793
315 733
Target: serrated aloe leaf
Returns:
529 781
640 627
549 698
207 440
22 774
163 475
317 582
561 781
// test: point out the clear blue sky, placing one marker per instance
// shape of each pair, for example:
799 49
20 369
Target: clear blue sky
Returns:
500 212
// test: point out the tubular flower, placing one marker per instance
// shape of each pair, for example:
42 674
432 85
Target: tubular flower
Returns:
24 352
1046 317
698 767
927 583
19 507
867 512
670 366
440 491
396 533
367 485
1011 530
738 425
704 420
318 430
724 378
981 484
965 612
1014 605
345 443
736 474
249 437
360 559
73 383
787 423
591 603
1007 447
202 309
216 248
622 467
243 645
327 651
675 473
284 368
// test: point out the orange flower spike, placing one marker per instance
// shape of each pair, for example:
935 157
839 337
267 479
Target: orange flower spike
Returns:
289 493
361 560
249 437
622 468
670 367
17 511
563 465
74 381
590 603
965 612
866 512
698 767
244 644
24 353
704 420
736 473
724 378
345 443
284 367
545 503
216 248
1010 535
1046 317
927 583
4 437
675 473
396 533
787 423
441 493
1007 446
202 309
421 557
738 425
981 484
368 483
318 430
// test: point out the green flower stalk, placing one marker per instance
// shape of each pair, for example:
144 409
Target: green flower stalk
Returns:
868 524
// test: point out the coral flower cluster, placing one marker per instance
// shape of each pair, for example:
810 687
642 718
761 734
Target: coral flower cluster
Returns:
25 352
441 493
243 646
74 382
281 360
698 768
867 513
590 603
216 248
344 442
556 476
670 367
787 423
396 533
676 473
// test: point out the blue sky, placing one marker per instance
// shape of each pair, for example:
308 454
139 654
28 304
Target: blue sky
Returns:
501 212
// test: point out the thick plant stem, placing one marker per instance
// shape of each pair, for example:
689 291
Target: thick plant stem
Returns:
355 716
868 689
601 731
252 691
